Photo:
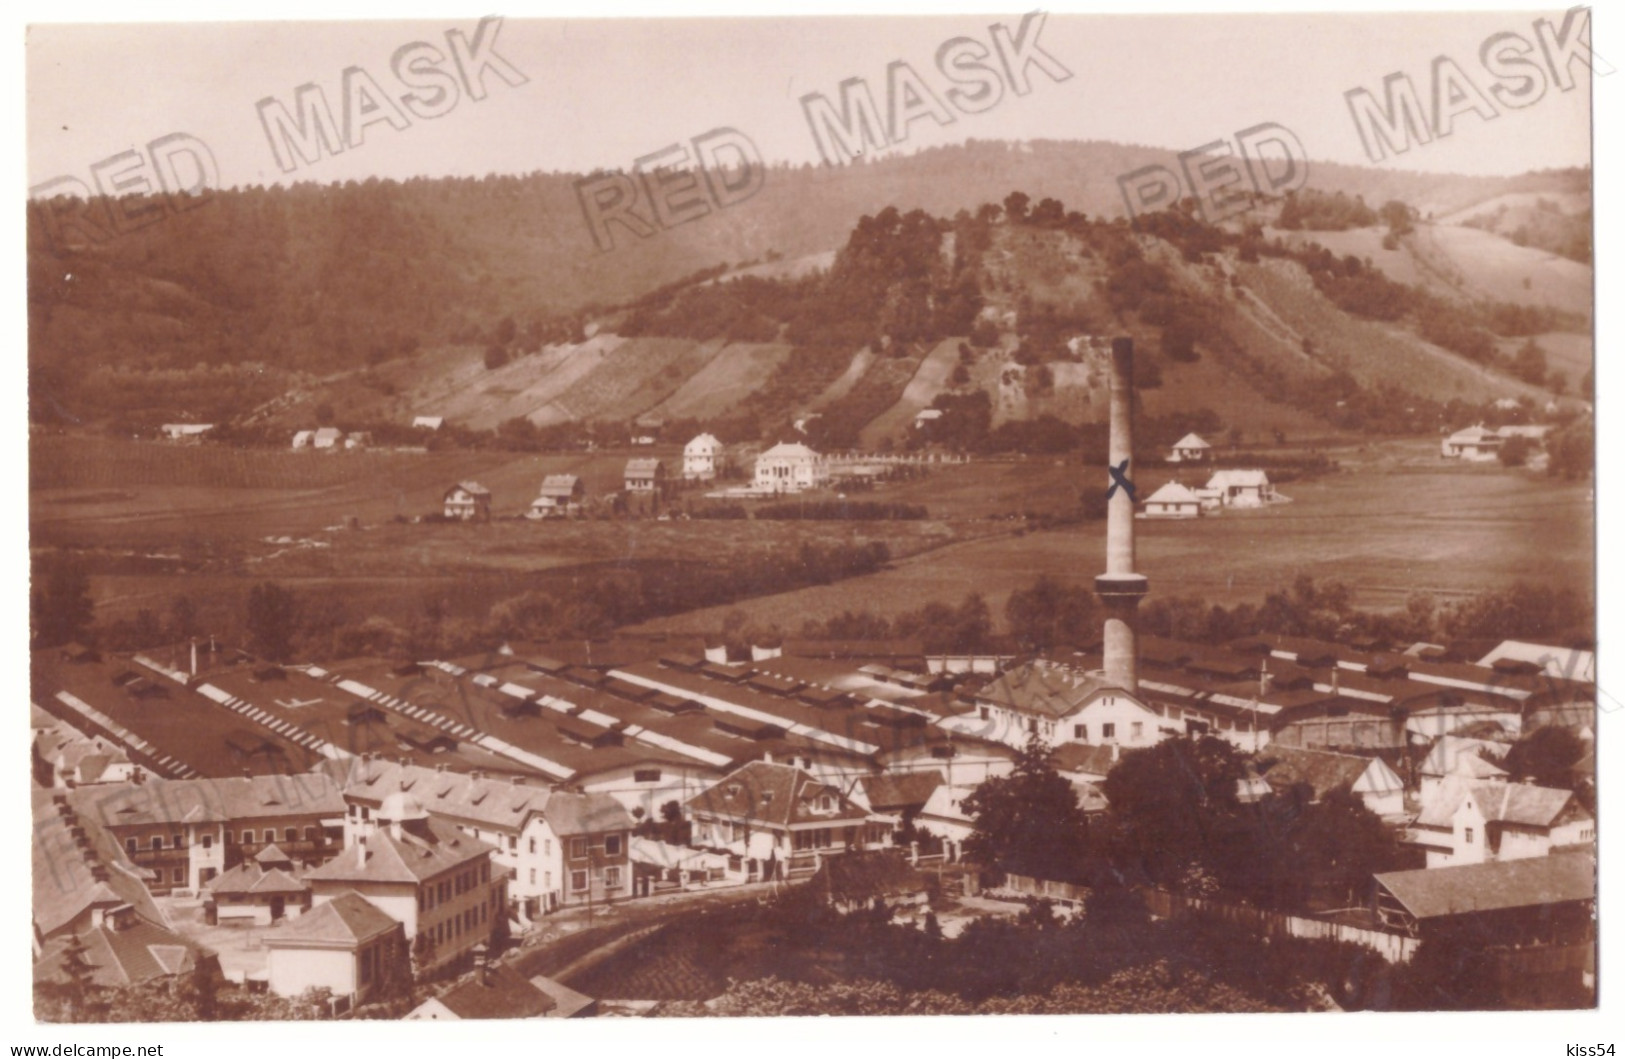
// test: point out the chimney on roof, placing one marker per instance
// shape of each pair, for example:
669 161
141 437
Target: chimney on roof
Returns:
1120 588
482 963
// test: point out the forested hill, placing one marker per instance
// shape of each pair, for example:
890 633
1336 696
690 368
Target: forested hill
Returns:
322 279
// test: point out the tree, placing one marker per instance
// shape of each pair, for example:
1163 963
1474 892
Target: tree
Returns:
272 619
1049 614
1515 452
1545 757
183 621
61 603
1015 207
495 357
1529 363
1029 822
1174 805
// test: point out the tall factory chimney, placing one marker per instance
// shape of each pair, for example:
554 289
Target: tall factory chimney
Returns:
1120 588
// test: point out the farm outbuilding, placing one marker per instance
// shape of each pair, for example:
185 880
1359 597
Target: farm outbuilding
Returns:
561 496
645 475
1241 488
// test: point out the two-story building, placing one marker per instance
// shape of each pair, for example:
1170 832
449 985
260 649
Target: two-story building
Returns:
531 828
1060 704
187 832
645 476
561 497
790 467
702 458
468 501
1471 823
775 820
440 884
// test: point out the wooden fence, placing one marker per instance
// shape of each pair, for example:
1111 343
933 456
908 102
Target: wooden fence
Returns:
1026 886
1395 948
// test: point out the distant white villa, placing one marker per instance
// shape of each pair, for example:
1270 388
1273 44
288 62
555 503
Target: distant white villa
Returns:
1238 488
1189 449
790 467
1172 501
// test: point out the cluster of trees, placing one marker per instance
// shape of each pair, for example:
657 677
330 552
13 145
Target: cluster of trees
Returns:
843 510
1048 613
1317 211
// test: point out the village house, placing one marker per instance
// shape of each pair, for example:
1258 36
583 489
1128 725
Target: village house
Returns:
1378 786
1453 755
121 948
530 827
1474 444
187 832
790 467
774 820
1190 449
1059 704
1173 500
1240 488
645 476
865 878
346 945
497 991
468 501
185 431
439 883
703 458
260 890
561 496
70 759
428 422
1466 822
944 816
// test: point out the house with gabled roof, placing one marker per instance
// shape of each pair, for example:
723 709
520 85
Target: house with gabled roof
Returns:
776 820
790 467
121 948
1475 444
858 880
561 496
468 501
645 475
702 458
1467 822
1060 704
1190 449
346 945
440 884
1173 500
1240 488
1454 755
260 890
1323 771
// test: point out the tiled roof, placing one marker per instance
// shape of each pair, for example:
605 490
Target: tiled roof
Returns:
642 467
1246 479
1173 493
1429 893
136 952
1191 441
583 814
1083 757
1522 804
74 872
1044 690
899 790
250 878
1322 770
773 794
498 804
425 849
348 919
195 801
500 993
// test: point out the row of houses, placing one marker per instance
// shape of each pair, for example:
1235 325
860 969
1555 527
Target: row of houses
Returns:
1239 488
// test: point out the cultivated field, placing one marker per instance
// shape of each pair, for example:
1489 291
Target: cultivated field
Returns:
1397 520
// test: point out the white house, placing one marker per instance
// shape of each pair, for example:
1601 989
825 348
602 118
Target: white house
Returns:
1059 705
1476 444
790 467
645 475
1471 823
1561 663
185 431
347 945
1323 771
702 458
468 501
561 496
1453 755
428 422
303 438
1189 449
326 438
1242 488
1172 501
774 819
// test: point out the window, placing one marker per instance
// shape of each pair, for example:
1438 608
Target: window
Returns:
1136 729
547 847
533 845
1469 836
578 880
1032 726
157 842
485 872
290 835
131 844
364 812
310 834
981 711
645 775
208 841
578 848
1080 731
178 876
612 845
547 880
1108 731
612 878
533 876
179 841
231 836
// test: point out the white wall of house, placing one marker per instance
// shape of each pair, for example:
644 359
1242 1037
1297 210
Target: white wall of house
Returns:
294 970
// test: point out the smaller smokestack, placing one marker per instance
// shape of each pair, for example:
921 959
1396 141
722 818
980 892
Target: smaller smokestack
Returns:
194 658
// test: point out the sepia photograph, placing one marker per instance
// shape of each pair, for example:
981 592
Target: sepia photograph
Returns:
535 516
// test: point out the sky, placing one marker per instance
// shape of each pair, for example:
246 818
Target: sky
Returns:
601 93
